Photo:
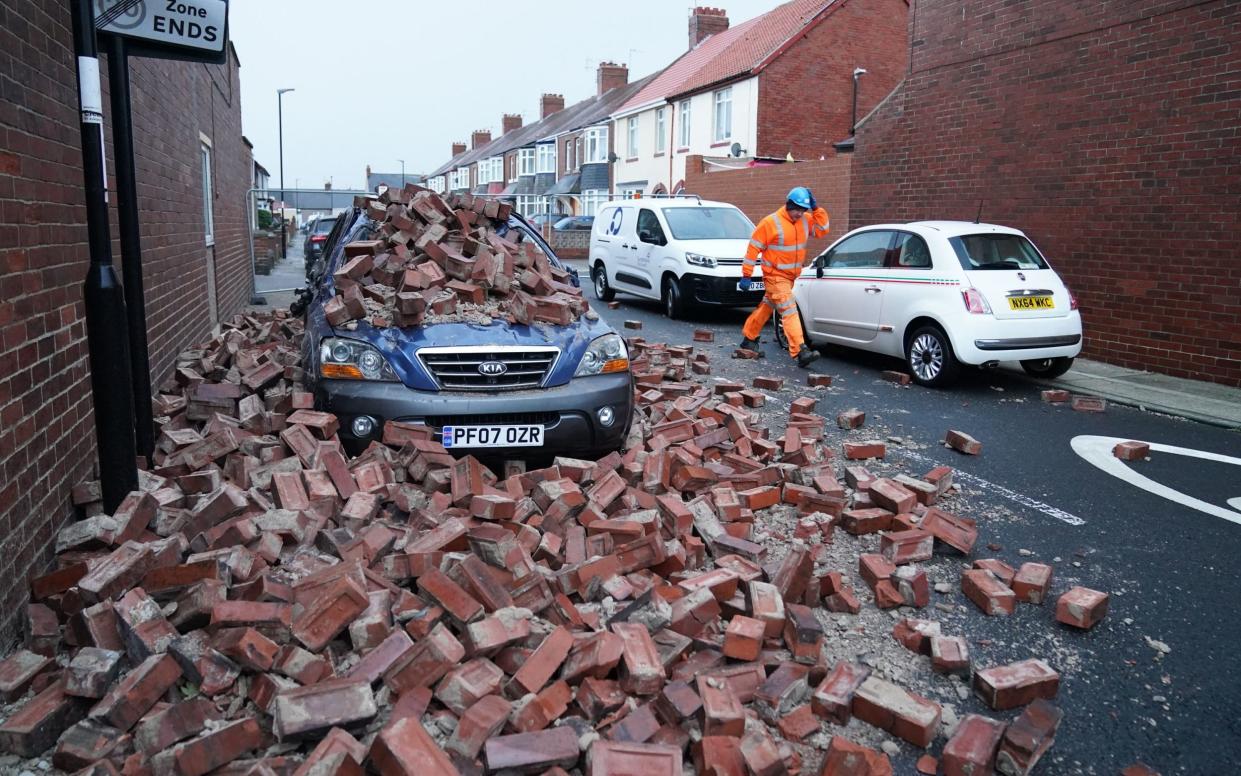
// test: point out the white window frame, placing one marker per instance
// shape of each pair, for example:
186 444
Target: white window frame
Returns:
596 145
208 189
661 130
684 117
722 114
631 129
525 161
578 149
546 155
592 199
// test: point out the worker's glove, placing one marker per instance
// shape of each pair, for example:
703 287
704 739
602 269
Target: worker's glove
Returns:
745 284
814 204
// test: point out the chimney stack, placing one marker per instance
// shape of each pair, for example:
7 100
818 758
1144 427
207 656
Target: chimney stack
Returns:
458 149
368 171
612 75
509 122
480 138
549 104
704 22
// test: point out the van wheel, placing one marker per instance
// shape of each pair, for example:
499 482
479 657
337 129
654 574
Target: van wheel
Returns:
603 291
928 354
1047 367
674 303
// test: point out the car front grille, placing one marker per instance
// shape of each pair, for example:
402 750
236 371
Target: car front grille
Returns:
728 262
494 419
457 369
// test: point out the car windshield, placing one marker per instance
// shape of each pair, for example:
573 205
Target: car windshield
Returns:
996 251
708 223
324 225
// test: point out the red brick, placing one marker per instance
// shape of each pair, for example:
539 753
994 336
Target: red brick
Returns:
963 442
159 730
1028 738
137 692
798 724
903 714
844 602
915 635
467 683
950 655
542 664
458 604
479 723
34 728
217 747
1088 404
845 758
404 748
859 451
803 634
833 698
743 639
380 659
987 592
425 664
874 568
641 673
1031 582
901 547
972 748
892 496
305 711
850 419
859 522
331 751
248 647
957 532
1131 451
532 752
1054 395
719 756
1002 570
330 613
1016 684
19 670
721 710
762 757
764 602
1081 607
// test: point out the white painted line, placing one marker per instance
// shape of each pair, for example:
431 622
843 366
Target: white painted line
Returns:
1008 493
1098 451
1235 503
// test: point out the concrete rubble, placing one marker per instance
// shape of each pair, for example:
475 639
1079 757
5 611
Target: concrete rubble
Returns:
266 604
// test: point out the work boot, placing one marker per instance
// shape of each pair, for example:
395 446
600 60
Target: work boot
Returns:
748 344
806 357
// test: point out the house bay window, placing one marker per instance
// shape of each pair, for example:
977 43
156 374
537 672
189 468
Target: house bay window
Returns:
596 145
546 157
525 161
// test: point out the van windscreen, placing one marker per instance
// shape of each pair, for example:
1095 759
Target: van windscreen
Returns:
708 223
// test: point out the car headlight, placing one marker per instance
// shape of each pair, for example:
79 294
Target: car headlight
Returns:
352 360
605 355
699 260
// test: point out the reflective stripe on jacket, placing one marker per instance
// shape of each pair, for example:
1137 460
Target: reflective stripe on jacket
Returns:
781 242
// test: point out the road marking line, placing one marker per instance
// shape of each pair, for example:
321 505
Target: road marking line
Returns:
1098 451
1008 493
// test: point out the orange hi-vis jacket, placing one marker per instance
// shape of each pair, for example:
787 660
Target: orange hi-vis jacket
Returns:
782 242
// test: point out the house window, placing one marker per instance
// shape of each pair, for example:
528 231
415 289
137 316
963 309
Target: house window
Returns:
661 130
208 217
497 169
592 199
547 157
723 114
525 161
596 145
633 135
578 150
683 141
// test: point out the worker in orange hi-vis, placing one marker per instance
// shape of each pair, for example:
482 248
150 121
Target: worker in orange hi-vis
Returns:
780 241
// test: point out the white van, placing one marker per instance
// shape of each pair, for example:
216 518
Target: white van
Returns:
680 250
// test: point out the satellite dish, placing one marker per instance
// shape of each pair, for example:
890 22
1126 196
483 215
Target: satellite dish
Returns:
612 157
735 149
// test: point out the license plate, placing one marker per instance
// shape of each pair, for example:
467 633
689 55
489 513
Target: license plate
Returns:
755 285
492 436
1031 303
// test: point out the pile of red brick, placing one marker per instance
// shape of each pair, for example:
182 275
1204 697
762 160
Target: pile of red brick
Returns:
264 604
433 259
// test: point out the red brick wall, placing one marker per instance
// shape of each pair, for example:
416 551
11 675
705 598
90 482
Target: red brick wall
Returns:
759 191
1110 132
805 96
46 426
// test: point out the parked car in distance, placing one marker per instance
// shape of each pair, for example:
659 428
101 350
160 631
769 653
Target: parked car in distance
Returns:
940 294
316 235
574 224
550 390
679 250
542 219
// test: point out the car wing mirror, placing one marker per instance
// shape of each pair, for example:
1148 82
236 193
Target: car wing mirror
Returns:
818 267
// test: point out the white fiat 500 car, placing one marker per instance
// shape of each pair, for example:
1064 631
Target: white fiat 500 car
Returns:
940 294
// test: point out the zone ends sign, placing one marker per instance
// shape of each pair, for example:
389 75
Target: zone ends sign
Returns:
172 29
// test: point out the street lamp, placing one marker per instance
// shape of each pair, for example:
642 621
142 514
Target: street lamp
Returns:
402 161
280 121
858 72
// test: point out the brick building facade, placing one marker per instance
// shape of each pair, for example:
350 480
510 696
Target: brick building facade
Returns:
1110 131
46 427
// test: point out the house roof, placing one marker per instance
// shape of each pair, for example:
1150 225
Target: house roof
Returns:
390 179
740 50
580 114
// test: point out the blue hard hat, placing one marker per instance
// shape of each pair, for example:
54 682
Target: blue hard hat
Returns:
800 196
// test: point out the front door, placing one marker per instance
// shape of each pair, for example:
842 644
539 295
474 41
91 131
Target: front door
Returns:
848 299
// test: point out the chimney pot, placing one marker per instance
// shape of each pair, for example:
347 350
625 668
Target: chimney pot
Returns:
509 122
611 75
480 138
549 104
705 22
458 149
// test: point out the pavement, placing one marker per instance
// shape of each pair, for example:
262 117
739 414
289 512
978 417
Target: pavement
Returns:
287 275
1161 536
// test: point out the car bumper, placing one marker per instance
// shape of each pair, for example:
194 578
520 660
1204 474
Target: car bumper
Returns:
568 413
1018 340
711 289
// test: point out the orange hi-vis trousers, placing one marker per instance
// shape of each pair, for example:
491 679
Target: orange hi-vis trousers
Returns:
779 298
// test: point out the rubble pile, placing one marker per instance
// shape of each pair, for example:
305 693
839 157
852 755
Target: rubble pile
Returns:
432 260
264 604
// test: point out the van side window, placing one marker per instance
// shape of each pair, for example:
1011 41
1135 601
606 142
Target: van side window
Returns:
649 230
910 252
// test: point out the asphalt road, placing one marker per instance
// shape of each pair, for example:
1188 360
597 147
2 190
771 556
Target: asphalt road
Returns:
1171 570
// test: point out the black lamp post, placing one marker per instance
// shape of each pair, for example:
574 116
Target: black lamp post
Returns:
280 122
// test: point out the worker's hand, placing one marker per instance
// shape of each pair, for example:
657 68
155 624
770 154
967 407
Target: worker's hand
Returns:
745 284
814 204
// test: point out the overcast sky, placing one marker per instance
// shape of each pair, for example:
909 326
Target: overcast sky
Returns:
382 80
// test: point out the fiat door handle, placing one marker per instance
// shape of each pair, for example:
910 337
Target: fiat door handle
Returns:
874 290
